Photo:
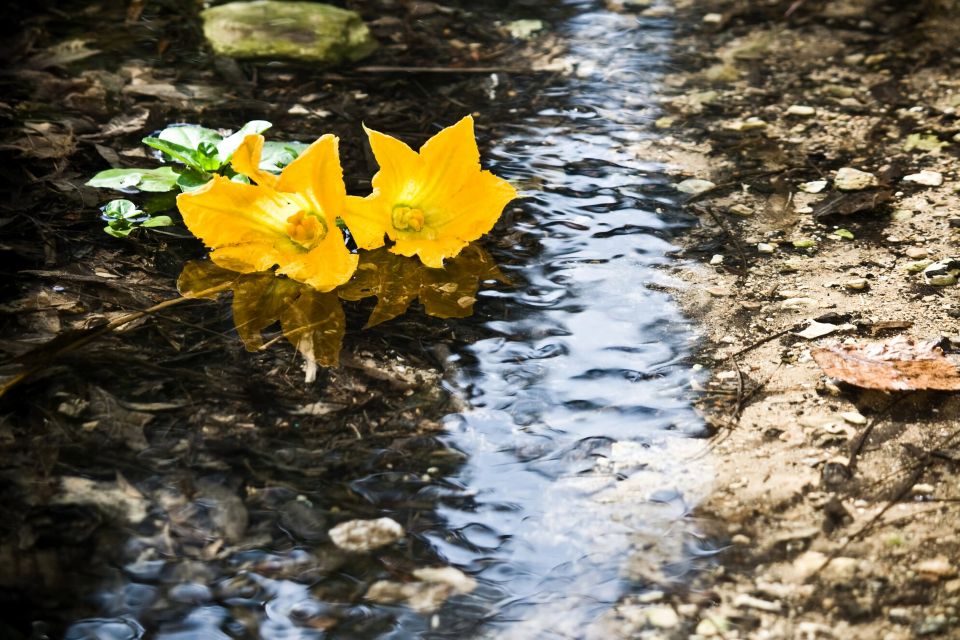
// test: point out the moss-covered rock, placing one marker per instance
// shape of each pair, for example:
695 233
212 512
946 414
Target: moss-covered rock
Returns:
296 30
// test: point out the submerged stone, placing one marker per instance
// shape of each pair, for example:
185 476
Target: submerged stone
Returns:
296 30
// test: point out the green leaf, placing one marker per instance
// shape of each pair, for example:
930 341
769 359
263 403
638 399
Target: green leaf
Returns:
158 221
118 233
190 136
156 180
187 156
228 145
277 155
192 180
119 211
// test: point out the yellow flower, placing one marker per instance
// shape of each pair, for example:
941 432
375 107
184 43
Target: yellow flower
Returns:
431 203
288 220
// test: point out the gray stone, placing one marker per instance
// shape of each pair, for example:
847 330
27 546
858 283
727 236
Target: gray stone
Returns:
695 186
296 30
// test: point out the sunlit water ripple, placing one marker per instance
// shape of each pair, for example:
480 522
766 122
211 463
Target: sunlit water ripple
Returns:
578 435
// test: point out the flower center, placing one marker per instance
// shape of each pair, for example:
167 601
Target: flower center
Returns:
306 229
406 218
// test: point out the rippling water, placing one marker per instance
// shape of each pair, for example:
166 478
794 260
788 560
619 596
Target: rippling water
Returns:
579 466
579 455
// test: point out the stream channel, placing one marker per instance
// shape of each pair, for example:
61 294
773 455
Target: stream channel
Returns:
580 457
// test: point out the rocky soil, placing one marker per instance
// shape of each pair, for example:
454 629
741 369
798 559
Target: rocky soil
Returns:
820 146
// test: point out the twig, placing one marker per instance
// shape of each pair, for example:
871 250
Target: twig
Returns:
726 230
769 338
857 446
384 69
47 352
900 493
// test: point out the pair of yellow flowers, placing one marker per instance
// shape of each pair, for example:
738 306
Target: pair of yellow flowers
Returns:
430 203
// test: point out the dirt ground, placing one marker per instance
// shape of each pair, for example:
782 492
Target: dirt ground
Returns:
836 507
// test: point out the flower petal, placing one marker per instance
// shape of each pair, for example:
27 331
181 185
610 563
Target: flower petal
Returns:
243 224
368 219
450 159
400 167
316 174
246 160
461 219
325 267
431 252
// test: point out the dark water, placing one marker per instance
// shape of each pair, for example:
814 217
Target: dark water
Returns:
571 469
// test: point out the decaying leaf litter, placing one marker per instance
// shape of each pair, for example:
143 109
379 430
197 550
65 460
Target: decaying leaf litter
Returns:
826 143
172 393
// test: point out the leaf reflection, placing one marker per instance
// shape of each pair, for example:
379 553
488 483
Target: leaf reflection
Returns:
314 322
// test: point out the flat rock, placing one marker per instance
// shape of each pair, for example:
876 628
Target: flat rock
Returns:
366 535
925 177
295 30
695 186
849 179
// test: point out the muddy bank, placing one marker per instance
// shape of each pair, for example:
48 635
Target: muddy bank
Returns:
836 506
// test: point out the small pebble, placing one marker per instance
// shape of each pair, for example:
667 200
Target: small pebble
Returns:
853 417
662 617
849 179
365 535
716 259
741 210
857 284
694 186
922 489
926 178
713 18
798 303
650 597
938 567
744 601
916 253
765 247
899 615
801 110
815 186
719 292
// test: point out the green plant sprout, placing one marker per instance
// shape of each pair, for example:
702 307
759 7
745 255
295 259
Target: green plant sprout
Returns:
198 154
123 216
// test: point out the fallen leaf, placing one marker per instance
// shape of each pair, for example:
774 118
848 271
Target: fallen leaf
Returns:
845 204
899 364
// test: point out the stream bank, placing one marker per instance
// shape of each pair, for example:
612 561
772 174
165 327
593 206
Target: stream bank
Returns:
836 505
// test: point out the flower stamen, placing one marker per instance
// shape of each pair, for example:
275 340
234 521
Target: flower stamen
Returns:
306 228
406 218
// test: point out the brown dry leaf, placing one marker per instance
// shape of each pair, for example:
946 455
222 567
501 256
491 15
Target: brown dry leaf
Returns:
899 364
845 204
44 141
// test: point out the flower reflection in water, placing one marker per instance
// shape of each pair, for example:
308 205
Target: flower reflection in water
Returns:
314 322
